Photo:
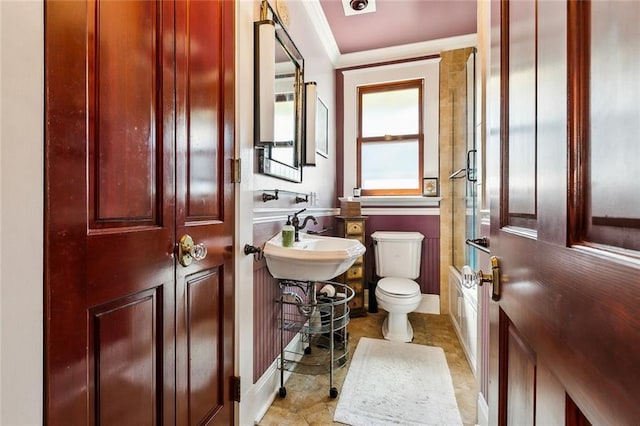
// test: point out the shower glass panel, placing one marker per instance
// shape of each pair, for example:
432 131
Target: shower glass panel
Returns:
463 180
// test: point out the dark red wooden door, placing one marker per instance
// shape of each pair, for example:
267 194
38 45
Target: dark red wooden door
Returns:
565 225
131 336
205 210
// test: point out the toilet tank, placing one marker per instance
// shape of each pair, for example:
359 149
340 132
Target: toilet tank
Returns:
397 254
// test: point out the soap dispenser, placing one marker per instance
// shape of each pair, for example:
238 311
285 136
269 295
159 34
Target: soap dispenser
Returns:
288 232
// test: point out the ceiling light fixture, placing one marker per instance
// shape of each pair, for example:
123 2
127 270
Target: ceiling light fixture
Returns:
358 5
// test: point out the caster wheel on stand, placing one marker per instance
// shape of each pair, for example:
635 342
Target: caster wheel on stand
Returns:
333 393
307 350
282 392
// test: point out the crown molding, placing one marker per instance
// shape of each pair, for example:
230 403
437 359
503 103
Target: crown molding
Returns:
320 24
407 51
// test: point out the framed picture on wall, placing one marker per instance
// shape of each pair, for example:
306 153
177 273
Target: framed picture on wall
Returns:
430 187
322 130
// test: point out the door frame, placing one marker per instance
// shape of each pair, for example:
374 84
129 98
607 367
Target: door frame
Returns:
22 213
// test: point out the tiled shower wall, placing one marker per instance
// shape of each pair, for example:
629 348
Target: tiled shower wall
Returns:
453 133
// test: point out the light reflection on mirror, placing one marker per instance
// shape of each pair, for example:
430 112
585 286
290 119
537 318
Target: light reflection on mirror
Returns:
284 128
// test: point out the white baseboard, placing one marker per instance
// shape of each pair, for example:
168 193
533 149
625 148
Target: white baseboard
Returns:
430 304
266 389
483 411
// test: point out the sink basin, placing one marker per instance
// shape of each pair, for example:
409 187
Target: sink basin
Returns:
313 258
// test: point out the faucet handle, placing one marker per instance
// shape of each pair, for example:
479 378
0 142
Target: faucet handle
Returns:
297 213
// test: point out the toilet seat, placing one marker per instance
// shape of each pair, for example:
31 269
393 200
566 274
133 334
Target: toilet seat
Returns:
398 296
401 288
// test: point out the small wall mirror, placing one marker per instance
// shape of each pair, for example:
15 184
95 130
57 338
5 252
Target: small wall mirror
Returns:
278 82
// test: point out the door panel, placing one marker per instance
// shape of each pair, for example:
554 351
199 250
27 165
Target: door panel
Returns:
552 401
576 311
123 128
134 160
203 102
202 337
572 302
521 147
110 218
521 373
613 68
205 309
126 352
551 119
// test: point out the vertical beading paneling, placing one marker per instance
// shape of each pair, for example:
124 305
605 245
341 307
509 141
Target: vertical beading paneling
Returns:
266 318
266 346
427 225
430 269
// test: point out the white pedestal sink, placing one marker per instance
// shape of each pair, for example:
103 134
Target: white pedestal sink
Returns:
313 258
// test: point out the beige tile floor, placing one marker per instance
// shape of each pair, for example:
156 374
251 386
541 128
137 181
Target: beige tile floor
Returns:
308 402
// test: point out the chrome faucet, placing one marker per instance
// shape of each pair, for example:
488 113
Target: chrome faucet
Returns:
296 223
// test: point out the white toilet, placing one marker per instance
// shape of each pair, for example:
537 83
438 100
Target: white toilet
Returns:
397 257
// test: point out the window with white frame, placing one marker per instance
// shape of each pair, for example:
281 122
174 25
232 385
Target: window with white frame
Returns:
390 139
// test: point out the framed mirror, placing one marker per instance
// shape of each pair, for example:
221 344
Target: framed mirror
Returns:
278 85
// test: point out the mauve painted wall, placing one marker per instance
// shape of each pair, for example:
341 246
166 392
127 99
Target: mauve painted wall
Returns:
266 346
427 225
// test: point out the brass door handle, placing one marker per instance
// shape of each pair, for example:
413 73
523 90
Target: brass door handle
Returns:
471 278
188 251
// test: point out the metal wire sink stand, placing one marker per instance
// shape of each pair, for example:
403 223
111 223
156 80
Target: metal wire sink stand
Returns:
321 322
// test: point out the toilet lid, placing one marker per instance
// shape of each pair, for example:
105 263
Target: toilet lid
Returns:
400 287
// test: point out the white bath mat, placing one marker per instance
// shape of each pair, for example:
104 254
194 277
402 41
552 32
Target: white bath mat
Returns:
397 383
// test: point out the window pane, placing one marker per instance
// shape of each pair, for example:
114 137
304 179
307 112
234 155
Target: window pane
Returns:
390 113
390 165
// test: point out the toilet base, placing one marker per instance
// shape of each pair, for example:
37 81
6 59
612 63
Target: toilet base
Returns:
397 328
